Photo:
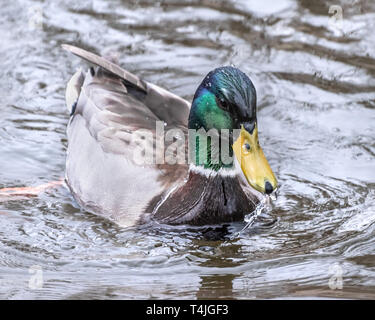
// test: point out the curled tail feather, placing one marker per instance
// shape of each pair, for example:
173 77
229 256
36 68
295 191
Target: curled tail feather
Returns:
73 90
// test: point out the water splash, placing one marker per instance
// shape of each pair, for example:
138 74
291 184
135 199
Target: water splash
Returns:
263 206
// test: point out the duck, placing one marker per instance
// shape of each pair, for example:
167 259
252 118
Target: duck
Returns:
118 120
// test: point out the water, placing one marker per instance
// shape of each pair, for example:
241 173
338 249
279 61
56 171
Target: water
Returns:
316 96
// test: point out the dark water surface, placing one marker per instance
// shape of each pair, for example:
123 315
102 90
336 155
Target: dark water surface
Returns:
316 97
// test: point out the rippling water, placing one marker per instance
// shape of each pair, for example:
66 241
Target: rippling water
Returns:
316 96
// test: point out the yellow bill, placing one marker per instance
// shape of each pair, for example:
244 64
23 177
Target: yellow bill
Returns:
253 163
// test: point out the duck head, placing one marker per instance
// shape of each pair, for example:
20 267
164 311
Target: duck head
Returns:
226 99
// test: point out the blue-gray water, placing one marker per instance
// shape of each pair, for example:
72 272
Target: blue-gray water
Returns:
316 89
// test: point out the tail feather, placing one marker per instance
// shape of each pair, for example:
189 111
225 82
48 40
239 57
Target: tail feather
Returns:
108 65
73 90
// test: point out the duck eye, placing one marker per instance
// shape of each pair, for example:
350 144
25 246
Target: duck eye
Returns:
247 147
223 104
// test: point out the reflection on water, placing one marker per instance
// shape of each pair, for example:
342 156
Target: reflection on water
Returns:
316 96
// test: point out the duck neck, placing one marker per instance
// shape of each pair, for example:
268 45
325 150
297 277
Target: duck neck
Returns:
210 127
209 152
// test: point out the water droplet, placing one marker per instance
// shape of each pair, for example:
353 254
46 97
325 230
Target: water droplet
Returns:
251 217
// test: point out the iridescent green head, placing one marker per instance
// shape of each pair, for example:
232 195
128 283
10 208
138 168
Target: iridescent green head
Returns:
226 99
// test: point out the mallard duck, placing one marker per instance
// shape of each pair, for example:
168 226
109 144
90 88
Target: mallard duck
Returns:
108 104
